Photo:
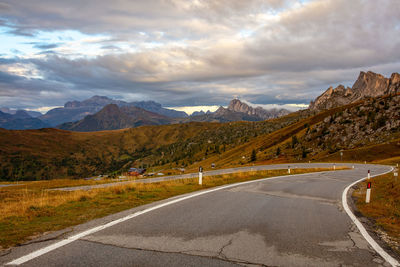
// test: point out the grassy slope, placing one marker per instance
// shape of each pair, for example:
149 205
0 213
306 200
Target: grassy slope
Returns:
384 207
52 153
265 143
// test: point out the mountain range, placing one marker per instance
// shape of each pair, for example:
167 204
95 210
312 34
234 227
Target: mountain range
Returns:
92 115
77 110
113 117
33 114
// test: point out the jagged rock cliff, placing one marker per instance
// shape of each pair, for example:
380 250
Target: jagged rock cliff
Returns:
368 84
238 106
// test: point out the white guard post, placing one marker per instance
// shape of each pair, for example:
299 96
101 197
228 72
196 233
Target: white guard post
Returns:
334 166
368 195
200 175
288 169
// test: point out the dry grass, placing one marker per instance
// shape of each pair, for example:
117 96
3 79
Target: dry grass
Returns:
390 161
384 207
32 209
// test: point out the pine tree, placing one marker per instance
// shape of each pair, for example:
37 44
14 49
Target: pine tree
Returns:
253 155
294 141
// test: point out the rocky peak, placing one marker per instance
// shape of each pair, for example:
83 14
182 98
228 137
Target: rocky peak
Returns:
238 106
110 109
221 111
368 84
94 101
72 104
332 97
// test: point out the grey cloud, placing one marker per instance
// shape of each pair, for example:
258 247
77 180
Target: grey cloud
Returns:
45 46
289 59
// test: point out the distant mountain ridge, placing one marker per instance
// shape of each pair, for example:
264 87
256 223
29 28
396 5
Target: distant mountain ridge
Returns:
21 120
157 108
33 114
222 115
368 84
77 110
264 114
113 117
238 111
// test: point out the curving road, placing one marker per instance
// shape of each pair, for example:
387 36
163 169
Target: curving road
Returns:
286 221
206 173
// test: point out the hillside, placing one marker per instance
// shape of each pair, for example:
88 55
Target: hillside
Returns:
367 130
51 153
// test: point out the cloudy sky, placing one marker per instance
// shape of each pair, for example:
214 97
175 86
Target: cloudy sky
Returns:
191 52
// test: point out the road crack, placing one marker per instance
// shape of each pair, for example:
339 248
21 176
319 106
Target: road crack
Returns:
60 236
187 253
220 254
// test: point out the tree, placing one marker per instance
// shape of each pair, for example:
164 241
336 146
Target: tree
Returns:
278 151
294 141
304 153
253 155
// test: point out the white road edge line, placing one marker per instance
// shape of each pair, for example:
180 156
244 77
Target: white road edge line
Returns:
73 238
362 229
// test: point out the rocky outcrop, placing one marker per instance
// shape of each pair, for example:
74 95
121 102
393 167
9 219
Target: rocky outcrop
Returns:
332 98
373 121
238 106
394 84
368 84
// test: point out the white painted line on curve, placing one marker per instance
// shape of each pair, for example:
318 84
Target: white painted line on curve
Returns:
362 229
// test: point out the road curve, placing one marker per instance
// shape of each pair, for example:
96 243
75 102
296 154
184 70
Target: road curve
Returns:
288 221
206 173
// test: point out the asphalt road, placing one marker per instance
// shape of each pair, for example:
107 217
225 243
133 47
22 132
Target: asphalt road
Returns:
205 173
293 221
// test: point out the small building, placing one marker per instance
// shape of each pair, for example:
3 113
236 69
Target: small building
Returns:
136 171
